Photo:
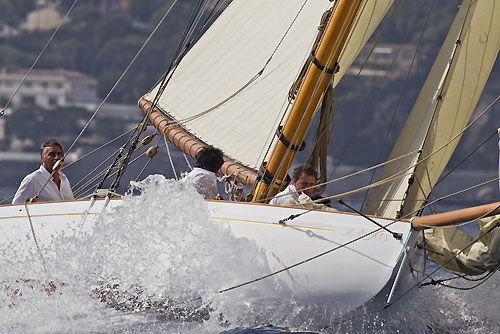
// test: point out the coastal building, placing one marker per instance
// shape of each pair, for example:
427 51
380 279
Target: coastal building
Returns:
50 88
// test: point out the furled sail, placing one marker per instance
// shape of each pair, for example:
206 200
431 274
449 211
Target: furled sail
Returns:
442 110
457 251
221 71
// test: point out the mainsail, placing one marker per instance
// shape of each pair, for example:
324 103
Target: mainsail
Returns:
223 70
442 110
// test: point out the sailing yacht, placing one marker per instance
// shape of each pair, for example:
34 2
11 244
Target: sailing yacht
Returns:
233 90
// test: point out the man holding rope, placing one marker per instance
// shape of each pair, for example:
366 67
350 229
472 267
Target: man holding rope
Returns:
303 181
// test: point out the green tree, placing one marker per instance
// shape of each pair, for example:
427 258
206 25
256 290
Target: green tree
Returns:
14 12
11 57
69 53
84 14
41 124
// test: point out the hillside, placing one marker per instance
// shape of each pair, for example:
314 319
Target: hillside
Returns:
101 42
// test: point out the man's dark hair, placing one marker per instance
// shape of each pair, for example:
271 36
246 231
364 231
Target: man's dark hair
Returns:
209 158
49 143
304 169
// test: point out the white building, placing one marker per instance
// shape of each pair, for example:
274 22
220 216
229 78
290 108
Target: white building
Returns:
49 88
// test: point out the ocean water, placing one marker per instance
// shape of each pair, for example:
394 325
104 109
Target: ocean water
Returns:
158 249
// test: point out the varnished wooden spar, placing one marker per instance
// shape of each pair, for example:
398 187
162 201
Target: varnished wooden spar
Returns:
318 75
455 217
191 145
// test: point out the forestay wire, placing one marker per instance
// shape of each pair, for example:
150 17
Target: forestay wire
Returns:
122 75
419 283
363 313
111 90
142 127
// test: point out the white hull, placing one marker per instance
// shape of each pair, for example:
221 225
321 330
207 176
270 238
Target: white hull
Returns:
346 278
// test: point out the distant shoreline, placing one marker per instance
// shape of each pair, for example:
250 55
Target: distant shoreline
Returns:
7 156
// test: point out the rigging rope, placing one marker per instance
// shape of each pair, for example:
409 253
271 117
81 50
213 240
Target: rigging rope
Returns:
93 170
82 190
99 148
34 237
481 280
107 170
183 122
135 138
293 139
187 161
149 161
231 188
170 157
416 285
405 82
379 86
2 112
319 154
286 268
7 198
365 312
393 177
353 174
400 173
453 194
121 76
467 157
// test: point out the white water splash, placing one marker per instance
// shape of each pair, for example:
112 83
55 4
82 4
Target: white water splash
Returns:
160 247
157 248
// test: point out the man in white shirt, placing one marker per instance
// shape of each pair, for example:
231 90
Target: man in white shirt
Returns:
56 189
303 181
208 161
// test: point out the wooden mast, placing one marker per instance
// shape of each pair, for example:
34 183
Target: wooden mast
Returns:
318 75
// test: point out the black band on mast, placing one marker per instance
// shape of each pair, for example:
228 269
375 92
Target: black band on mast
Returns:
322 67
267 177
281 137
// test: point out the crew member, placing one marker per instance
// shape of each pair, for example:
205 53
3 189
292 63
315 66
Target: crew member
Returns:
303 181
208 161
56 189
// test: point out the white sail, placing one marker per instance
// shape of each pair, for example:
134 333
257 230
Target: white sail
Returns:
233 51
443 108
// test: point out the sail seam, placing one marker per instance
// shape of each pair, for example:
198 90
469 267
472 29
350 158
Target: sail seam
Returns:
439 99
